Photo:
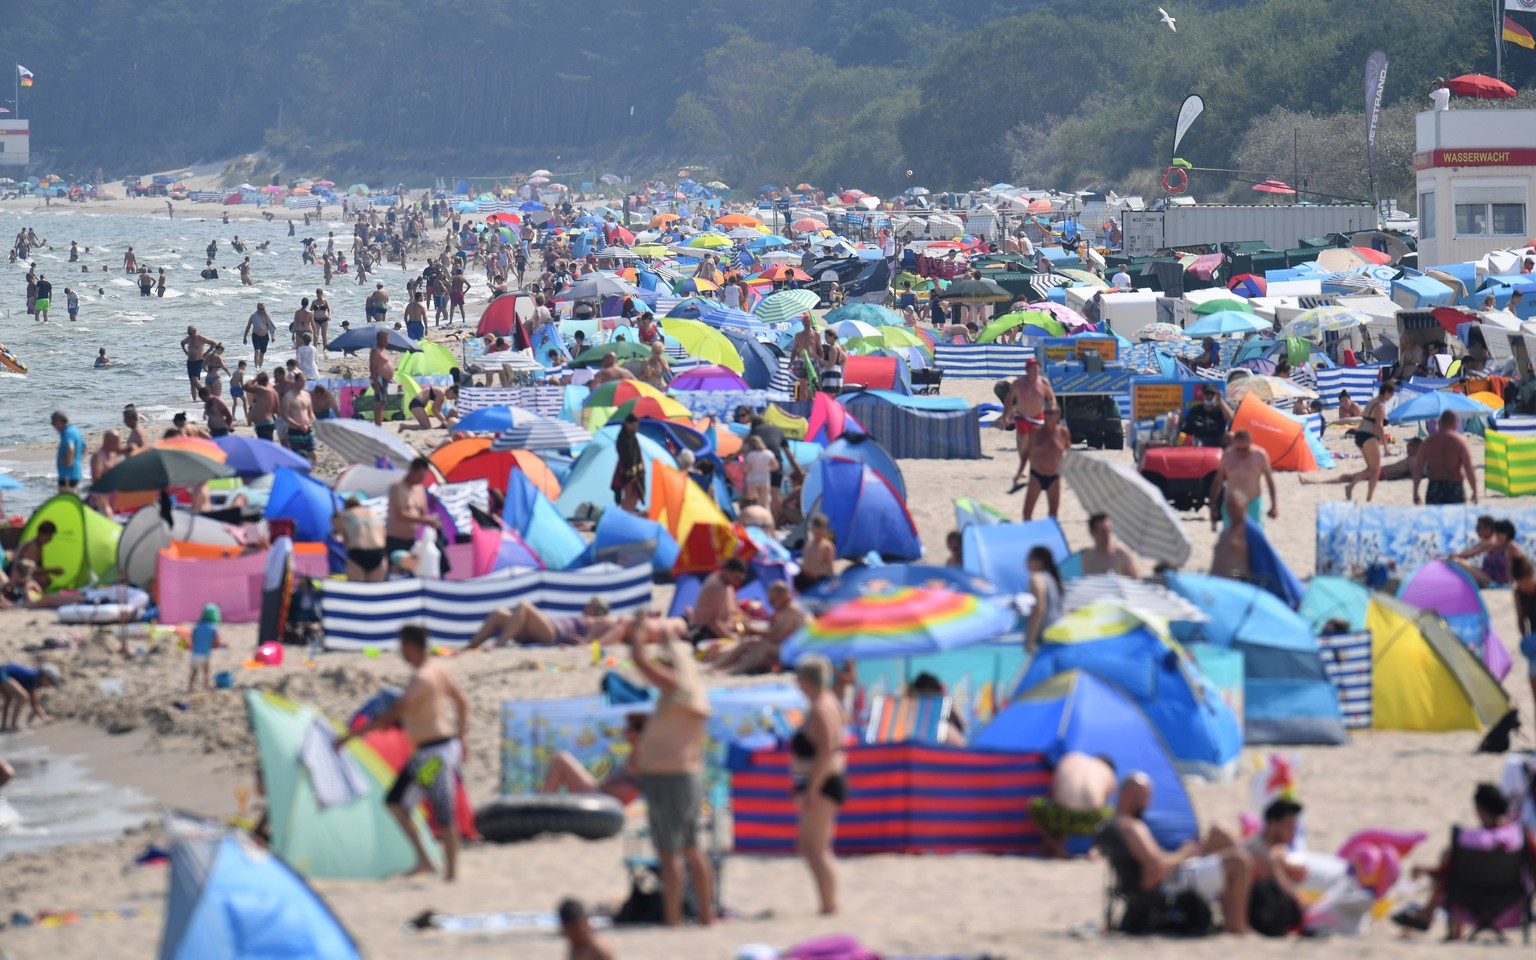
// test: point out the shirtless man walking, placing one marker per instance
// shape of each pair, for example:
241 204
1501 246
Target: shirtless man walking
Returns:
441 748
1045 445
408 508
1025 409
299 414
258 332
1447 460
381 371
216 412
802 355
193 345
1107 555
261 405
1240 470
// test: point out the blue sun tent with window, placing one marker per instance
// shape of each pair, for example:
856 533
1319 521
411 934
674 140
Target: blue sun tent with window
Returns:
997 552
865 512
230 898
534 517
1077 712
1287 696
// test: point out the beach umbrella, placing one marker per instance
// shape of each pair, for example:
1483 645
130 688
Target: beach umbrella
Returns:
652 408
497 419
1248 285
744 233
542 434
784 272
1141 597
807 225
1226 323
599 286
737 220
1274 186
541 172
1039 206
702 341
1372 255
324 183
904 621
618 391
359 441
662 219
975 291
251 457
1035 322
1269 389
708 241
1479 87
1083 277
201 446
1143 519
894 338
853 329
766 240
504 218
362 338
648 250
1216 306
858 582
870 313
160 469
708 377
781 306
1430 405
1161 333
624 350
617 253
691 285
1065 315
1310 323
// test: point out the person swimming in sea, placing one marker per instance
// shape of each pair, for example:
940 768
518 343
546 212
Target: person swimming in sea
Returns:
102 360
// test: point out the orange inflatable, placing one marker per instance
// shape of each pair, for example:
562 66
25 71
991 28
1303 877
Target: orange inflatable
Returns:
1282 437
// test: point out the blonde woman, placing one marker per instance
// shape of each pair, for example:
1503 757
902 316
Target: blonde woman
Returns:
761 464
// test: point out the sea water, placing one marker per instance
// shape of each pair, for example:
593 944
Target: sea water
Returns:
54 800
143 334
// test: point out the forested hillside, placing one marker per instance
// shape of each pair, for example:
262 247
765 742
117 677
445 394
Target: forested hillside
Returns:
852 91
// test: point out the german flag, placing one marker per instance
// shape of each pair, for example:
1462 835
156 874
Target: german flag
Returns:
1513 33
25 75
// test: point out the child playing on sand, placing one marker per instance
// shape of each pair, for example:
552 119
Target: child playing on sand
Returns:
204 637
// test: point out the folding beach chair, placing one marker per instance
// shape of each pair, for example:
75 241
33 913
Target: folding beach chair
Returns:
1131 910
644 869
1489 890
908 719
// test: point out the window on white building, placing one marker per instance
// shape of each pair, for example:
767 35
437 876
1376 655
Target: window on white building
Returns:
1427 214
1489 207
1508 219
1471 219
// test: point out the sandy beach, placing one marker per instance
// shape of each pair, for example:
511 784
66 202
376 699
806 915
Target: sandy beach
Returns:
195 751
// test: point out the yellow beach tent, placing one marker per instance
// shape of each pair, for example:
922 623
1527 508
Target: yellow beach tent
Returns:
1423 677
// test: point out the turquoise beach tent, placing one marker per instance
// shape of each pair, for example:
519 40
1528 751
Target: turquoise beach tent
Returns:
996 552
1077 712
534 517
230 898
1287 696
590 484
357 840
1135 657
1335 598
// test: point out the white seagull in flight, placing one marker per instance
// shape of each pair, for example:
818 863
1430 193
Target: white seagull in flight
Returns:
1167 19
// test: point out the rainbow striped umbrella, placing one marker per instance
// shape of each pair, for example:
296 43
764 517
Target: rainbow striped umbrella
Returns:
900 622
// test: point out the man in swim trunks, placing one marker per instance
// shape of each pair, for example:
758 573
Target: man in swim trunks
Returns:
258 331
458 288
1446 459
715 611
408 507
299 414
1024 408
262 406
194 345
1241 470
1081 787
44 298
381 371
432 772
216 412
1044 448
377 308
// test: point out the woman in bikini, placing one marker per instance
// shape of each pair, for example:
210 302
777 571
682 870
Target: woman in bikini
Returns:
363 534
1369 436
818 769
527 625
321 308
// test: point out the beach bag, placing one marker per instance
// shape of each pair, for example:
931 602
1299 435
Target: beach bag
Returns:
1271 911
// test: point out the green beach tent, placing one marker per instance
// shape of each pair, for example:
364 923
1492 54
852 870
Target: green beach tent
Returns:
85 546
355 840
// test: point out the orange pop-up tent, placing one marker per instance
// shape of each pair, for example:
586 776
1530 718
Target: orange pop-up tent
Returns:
1282 437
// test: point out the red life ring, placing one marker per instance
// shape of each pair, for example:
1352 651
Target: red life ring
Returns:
1178 174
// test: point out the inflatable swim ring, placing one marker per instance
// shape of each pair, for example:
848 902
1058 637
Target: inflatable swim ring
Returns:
591 816
10 361
1175 180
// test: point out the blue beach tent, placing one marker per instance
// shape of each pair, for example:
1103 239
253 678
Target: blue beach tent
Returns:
306 501
533 516
1287 697
866 513
1077 712
1135 657
997 552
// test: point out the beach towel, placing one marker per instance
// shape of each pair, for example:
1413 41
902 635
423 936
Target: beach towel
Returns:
334 775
